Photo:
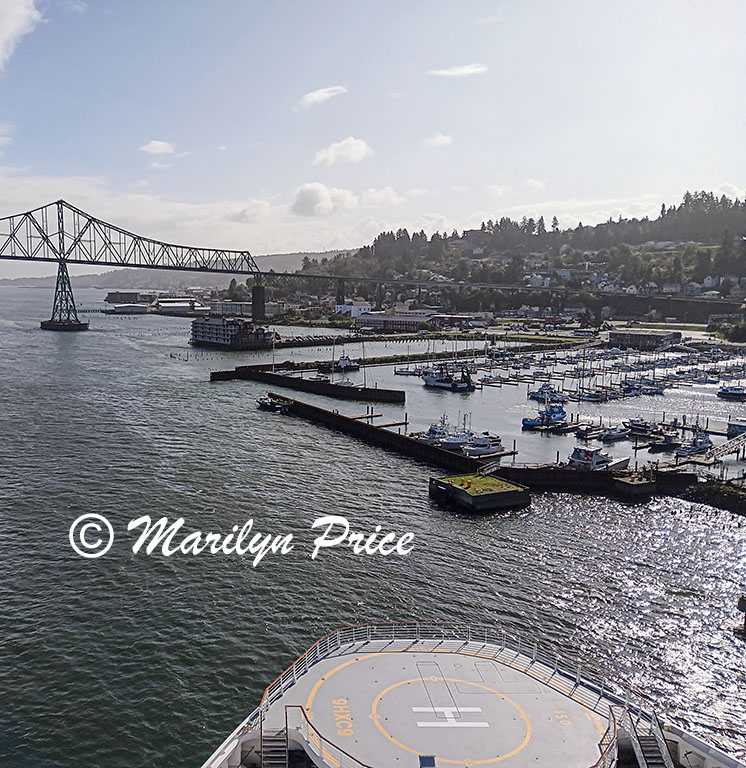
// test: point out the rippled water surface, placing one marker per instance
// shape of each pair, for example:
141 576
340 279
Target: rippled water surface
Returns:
130 660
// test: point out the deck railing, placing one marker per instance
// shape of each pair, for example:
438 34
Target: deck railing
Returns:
330 753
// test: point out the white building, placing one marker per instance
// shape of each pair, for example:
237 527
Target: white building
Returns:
353 308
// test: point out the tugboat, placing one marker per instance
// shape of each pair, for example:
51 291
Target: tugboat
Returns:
591 459
669 440
444 379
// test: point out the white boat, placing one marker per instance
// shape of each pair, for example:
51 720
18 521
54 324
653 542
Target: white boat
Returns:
483 445
591 459
436 432
612 434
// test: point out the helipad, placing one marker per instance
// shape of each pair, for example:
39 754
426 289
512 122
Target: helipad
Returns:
440 703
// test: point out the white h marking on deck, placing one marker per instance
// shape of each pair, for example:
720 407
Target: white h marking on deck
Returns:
450 717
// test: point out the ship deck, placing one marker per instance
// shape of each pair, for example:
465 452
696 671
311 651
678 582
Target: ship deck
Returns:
440 703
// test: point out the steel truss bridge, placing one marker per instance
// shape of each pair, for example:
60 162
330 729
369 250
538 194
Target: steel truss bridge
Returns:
60 232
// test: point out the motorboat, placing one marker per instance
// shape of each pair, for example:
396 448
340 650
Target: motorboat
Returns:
343 365
732 392
612 434
483 445
266 403
591 459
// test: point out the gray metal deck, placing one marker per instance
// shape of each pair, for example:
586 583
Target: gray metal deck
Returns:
390 703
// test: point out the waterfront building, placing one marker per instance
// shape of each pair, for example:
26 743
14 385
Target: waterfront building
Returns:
232 333
646 340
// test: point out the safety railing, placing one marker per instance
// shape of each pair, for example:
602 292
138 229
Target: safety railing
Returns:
297 721
552 669
657 731
625 720
608 745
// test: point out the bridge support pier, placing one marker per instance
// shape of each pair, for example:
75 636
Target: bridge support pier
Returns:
258 304
379 296
340 291
64 314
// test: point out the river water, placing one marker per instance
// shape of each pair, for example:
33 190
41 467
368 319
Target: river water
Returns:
136 660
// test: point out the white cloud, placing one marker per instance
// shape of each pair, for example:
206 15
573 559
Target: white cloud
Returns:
18 18
499 190
76 6
463 71
439 140
159 164
534 183
5 137
349 150
384 196
156 147
222 147
252 212
321 95
316 199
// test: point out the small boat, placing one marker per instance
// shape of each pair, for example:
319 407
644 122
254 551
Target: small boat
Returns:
436 432
346 383
732 392
612 434
641 428
670 441
267 404
591 459
699 444
406 372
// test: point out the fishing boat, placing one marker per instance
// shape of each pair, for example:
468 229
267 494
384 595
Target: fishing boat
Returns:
546 393
736 427
591 459
551 416
425 695
699 444
442 378
343 365
436 432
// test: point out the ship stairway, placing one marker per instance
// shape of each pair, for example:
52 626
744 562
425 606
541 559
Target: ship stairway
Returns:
640 742
274 749
729 446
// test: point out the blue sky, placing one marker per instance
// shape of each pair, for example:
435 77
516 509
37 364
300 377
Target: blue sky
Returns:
314 124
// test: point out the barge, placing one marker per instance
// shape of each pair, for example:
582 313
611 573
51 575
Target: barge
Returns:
479 492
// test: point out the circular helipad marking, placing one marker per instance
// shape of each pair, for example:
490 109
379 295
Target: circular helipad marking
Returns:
527 721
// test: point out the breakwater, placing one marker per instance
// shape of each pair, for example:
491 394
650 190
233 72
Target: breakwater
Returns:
338 391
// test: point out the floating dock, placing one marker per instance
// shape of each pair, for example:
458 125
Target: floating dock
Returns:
263 374
479 492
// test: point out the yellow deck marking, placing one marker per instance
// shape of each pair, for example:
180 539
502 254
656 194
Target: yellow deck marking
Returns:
562 688
526 719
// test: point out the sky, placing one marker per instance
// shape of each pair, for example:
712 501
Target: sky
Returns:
310 125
